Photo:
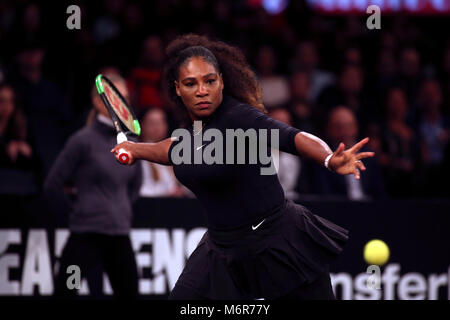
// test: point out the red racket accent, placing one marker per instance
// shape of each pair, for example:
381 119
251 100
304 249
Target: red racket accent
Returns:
124 157
123 112
116 103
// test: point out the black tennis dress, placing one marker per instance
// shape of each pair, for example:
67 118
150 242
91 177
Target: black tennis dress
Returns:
258 244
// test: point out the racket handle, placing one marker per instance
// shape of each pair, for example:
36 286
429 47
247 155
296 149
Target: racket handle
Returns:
124 156
121 137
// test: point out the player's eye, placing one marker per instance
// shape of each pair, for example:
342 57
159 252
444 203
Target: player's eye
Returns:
210 81
189 84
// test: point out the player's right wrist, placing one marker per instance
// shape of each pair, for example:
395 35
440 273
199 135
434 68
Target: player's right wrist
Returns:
136 150
326 162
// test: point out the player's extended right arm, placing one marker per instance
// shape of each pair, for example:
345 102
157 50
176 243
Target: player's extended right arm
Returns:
155 152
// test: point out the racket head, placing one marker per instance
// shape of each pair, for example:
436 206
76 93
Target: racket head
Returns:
117 106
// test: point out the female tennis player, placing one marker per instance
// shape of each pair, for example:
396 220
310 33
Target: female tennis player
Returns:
258 244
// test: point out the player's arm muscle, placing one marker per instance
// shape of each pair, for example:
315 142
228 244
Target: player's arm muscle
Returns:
155 152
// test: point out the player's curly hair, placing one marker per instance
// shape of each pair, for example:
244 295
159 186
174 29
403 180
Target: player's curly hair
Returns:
239 80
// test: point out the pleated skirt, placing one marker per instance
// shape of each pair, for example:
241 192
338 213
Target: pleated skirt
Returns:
289 248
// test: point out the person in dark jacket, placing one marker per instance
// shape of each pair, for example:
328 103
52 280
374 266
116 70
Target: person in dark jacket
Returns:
101 210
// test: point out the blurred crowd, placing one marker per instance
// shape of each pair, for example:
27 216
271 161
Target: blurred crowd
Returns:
326 75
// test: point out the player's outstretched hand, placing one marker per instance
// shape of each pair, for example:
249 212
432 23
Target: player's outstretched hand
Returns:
125 152
349 161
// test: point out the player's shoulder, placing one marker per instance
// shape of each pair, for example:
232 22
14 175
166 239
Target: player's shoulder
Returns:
234 111
232 107
230 104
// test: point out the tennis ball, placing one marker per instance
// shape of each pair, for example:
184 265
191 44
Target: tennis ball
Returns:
376 252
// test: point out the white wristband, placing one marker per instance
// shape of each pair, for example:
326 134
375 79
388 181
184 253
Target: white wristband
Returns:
327 159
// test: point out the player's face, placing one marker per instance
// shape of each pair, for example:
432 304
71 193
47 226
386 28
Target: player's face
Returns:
200 87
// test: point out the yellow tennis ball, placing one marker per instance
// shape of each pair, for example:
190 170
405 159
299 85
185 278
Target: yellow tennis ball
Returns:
376 252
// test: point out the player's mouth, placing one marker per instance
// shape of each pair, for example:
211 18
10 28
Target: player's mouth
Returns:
203 105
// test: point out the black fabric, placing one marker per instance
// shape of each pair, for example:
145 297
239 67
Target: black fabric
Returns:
291 248
320 289
235 194
94 253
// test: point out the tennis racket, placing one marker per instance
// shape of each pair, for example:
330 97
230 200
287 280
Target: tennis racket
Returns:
122 115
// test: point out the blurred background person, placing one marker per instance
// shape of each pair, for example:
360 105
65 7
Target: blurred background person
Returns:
342 126
44 103
275 87
385 74
19 165
16 151
434 131
289 166
352 55
300 104
349 91
107 26
399 152
444 79
410 74
307 59
101 210
157 180
144 80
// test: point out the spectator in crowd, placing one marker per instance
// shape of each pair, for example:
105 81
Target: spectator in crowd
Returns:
115 32
399 153
19 166
275 87
444 79
386 73
107 27
410 73
133 22
289 166
342 126
434 130
157 180
127 45
145 79
100 208
16 152
45 106
349 92
26 27
223 17
300 104
307 59
352 55
300 86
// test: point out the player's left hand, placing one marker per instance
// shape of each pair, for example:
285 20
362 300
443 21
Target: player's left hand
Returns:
349 161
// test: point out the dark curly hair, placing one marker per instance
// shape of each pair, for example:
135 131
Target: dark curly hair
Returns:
240 81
